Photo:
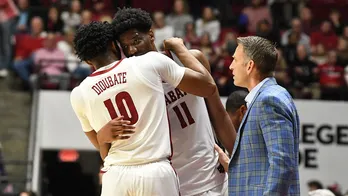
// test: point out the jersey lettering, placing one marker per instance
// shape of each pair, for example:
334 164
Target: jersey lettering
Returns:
181 117
123 99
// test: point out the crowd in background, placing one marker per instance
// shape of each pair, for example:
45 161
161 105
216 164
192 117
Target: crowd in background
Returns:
313 51
311 37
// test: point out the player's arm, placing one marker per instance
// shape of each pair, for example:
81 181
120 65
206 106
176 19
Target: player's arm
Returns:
196 79
77 104
104 150
220 119
115 129
92 136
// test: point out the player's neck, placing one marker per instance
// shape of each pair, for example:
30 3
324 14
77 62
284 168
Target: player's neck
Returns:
104 61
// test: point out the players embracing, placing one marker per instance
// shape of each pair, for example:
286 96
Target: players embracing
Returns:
193 119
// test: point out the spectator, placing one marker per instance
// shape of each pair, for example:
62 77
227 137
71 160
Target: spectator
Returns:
304 73
48 53
345 33
296 27
254 13
206 46
236 107
161 30
54 23
86 17
220 70
208 23
22 24
72 17
290 48
342 52
80 70
8 14
229 43
191 39
314 185
306 20
282 71
331 78
336 22
265 30
50 60
319 56
26 45
99 10
179 18
324 36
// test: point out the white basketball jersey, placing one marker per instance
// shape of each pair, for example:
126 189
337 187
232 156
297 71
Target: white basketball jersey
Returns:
194 157
132 88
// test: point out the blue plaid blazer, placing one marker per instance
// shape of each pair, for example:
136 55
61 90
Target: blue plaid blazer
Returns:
264 160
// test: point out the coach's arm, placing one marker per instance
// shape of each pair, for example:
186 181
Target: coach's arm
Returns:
220 119
277 128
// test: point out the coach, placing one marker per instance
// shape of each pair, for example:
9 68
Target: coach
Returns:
264 160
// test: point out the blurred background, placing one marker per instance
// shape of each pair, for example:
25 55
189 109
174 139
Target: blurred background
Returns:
43 150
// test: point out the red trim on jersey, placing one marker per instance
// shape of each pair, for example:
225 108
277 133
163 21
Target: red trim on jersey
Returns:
171 150
102 172
170 138
105 70
169 54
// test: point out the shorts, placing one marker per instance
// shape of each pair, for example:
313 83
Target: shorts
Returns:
220 190
153 179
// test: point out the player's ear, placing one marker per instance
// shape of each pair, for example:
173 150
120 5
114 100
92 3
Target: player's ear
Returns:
242 110
89 63
115 49
152 35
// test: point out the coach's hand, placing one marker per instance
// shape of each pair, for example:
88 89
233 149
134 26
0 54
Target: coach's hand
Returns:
116 129
223 158
173 43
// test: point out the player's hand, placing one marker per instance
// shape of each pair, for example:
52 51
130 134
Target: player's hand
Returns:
116 129
173 43
223 158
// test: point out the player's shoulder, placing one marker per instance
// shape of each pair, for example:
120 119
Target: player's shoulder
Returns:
154 55
76 93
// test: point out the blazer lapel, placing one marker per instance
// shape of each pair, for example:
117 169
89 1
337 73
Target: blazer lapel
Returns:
270 82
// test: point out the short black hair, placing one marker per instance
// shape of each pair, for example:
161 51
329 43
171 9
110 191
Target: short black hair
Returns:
131 18
315 183
93 40
235 100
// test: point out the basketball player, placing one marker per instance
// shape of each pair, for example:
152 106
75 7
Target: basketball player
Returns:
132 87
236 108
194 157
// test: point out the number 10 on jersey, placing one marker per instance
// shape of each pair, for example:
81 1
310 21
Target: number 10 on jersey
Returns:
122 100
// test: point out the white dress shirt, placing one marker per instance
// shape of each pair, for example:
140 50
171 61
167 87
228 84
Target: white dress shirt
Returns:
250 97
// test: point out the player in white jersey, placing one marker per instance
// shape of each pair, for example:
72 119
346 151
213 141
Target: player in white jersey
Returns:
132 88
194 157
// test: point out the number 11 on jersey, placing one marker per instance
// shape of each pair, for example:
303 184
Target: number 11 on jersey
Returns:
181 117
